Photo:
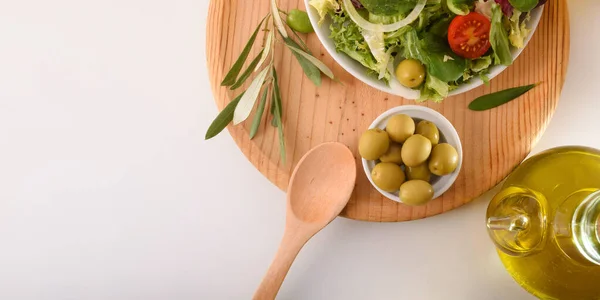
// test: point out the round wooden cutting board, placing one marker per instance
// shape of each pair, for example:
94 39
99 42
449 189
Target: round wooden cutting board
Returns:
494 141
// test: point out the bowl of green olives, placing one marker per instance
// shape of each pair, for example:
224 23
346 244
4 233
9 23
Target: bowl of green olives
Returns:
411 154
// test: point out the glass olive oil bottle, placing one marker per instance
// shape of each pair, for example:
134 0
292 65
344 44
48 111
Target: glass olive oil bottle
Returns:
546 224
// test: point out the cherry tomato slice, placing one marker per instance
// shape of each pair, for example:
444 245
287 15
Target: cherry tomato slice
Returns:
469 36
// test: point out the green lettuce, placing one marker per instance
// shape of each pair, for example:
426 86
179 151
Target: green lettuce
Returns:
478 67
480 64
376 43
432 12
518 30
440 60
389 7
349 39
484 78
499 38
382 19
460 7
524 5
323 7
434 89
411 47
433 52
440 27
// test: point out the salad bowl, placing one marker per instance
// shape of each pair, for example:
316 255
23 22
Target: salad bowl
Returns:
393 86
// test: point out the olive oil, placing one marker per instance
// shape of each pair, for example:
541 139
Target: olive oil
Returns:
546 224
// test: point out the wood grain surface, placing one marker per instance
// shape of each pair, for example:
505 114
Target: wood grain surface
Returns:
494 141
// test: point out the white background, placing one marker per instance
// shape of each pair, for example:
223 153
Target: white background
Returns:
108 190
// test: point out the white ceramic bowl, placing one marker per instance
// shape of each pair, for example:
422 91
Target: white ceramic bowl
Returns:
395 88
448 135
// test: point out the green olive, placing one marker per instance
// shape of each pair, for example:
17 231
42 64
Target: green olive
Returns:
388 176
373 144
400 127
429 130
416 192
298 20
444 159
416 150
420 172
393 155
410 73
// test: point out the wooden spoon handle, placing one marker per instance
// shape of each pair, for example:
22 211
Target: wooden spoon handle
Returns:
288 250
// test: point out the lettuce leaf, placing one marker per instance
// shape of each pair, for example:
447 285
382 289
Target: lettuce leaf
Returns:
499 38
518 29
460 7
524 5
376 44
324 7
434 54
381 19
389 7
349 39
480 64
434 89
432 12
440 60
440 27
411 48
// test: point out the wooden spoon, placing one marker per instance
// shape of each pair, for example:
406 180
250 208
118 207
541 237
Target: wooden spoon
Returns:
319 189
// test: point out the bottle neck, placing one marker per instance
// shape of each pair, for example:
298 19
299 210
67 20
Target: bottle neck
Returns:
516 221
518 224
585 227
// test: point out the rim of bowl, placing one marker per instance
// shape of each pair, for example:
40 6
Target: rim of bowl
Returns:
447 131
395 88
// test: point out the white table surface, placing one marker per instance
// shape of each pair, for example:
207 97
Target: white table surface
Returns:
108 190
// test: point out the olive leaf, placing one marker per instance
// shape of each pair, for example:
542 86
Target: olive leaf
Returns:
224 118
273 106
266 51
253 65
319 64
496 99
278 106
278 115
239 109
277 18
242 111
310 70
231 76
302 45
259 113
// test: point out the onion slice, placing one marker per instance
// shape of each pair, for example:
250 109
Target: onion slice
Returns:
365 24
385 65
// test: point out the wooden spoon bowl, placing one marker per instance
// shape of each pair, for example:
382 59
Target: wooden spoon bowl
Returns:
320 188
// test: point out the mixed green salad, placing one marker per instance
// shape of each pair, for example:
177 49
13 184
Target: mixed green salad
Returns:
430 45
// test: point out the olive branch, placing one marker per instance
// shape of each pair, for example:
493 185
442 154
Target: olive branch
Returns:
265 78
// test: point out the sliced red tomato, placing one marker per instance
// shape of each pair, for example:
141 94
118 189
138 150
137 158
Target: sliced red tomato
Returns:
469 36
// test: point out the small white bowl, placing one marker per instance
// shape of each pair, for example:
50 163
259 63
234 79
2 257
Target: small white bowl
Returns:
448 135
395 88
